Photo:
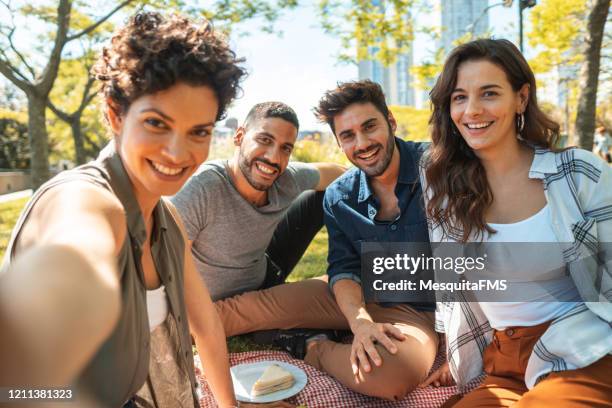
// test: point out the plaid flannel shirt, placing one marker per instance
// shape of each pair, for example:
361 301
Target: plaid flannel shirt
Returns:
578 189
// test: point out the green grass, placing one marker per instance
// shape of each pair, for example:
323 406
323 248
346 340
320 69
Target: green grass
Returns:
9 212
312 264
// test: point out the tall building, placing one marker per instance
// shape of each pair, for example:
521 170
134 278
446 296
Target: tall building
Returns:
395 79
461 16
457 17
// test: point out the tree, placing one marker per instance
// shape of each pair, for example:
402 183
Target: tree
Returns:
589 74
557 27
14 148
37 83
385 26
36 75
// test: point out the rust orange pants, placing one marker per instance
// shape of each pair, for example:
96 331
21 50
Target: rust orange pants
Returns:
505 362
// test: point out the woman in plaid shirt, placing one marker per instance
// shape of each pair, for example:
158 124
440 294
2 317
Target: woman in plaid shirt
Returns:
493 175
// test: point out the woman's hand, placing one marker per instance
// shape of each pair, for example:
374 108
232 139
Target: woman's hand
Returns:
440 378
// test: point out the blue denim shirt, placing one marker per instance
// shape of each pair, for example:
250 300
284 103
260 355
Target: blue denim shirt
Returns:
350 209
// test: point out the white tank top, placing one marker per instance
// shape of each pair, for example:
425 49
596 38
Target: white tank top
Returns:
157 306
548 270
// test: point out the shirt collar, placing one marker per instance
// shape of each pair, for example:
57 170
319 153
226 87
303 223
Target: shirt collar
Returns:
544 163
408 171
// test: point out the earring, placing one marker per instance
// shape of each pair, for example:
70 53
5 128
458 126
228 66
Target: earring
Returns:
520 124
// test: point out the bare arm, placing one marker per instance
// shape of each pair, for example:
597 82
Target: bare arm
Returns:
60 297
207 329
366 331
328 172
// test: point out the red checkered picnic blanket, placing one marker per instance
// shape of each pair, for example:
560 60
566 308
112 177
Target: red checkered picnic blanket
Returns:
322 391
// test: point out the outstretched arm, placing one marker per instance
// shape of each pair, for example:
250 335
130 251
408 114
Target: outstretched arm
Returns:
59 300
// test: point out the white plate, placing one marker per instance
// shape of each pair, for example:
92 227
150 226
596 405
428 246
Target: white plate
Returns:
245 375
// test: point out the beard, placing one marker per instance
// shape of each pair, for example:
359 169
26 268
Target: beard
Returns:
381 165
246 167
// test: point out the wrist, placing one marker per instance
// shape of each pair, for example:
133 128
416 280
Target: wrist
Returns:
363 318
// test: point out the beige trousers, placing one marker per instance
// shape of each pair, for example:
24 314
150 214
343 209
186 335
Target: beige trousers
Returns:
310 304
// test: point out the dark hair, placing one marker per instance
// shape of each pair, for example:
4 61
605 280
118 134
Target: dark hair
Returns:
453 171
348 93
153 52
272 110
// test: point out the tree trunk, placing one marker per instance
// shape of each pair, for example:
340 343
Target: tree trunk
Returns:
39 139
77 136
589 74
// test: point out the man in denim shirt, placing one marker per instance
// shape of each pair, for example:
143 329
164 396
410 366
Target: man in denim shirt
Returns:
394 346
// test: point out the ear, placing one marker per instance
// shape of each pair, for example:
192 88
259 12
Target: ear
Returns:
115 119
239 135
523 98
392 122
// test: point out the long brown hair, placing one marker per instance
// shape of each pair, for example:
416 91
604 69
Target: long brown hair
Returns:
457 183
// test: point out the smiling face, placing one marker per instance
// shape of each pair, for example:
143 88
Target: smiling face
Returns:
366 137
164 137
264 150
484 106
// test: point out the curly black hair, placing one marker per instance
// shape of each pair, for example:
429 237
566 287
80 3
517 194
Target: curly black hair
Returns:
152 52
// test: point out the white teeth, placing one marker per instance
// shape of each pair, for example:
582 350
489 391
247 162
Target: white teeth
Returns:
264 169
166 170
369 155
478 125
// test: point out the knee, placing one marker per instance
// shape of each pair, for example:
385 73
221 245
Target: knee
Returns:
403 372
398 385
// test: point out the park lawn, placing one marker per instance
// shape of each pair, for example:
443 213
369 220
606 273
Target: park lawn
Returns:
9 212
312 264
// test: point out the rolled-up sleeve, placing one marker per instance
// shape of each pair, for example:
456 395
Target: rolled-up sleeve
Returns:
343 260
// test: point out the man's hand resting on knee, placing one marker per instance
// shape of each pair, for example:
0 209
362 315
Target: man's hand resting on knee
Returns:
366 332
366 335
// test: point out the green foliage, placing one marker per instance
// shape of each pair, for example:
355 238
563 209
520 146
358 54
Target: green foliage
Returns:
9 213
429 70
227 13
67 95
14 144
321 150
556 29
412 123
385 27
90 19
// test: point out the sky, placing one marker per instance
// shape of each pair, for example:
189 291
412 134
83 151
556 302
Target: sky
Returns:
299 66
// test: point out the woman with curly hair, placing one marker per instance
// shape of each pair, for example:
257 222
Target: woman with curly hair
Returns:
493 175
111 280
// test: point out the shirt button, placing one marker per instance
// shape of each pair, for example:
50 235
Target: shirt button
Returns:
179 319
393 227
509 332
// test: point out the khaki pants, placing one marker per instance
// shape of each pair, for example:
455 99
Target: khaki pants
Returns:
505 362
310 304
